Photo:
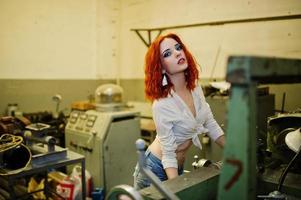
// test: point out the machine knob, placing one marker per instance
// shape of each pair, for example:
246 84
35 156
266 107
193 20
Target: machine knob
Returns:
27 134
140 144
195 163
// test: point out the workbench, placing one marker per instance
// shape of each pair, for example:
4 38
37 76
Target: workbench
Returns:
71 158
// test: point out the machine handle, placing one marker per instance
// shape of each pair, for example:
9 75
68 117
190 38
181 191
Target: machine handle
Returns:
140 145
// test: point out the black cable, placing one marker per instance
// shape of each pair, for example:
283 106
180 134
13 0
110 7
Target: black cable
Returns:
283 102
284 173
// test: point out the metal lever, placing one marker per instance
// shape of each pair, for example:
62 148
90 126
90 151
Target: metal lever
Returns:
57 98
50 141
140 145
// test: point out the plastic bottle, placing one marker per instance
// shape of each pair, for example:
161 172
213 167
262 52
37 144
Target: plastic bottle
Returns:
98 194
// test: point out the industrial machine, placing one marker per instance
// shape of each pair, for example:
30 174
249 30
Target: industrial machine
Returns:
244 173
218 104
239 174
106 137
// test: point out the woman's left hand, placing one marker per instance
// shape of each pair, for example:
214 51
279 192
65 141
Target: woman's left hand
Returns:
181 151
184 146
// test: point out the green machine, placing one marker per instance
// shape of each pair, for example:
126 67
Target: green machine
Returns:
240 177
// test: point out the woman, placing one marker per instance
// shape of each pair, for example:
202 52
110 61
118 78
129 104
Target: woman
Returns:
180 111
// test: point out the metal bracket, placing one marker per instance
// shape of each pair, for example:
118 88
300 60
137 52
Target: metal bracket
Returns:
149 33
212 23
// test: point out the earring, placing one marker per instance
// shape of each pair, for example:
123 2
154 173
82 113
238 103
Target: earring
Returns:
164 79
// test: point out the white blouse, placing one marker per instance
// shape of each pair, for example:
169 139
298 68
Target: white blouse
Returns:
175 123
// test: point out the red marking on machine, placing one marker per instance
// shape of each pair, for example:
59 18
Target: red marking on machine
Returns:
236 175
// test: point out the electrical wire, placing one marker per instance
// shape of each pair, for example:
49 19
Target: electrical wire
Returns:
8 142
290 164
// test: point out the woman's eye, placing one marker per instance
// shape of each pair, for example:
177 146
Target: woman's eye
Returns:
166 54
178 47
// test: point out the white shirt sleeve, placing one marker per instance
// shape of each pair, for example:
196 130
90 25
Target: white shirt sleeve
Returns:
164 116
210 123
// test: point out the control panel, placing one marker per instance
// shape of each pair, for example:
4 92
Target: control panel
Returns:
81 121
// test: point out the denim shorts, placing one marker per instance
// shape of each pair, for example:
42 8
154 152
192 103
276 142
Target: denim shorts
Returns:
155 165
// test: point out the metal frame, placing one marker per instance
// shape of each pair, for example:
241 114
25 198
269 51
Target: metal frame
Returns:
72 158
213 23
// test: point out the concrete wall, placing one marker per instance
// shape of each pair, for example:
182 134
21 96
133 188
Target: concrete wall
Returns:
36 95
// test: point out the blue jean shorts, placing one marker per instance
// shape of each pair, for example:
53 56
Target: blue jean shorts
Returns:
155 165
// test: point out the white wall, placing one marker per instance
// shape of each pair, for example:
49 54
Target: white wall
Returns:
211 44
58 39
107 39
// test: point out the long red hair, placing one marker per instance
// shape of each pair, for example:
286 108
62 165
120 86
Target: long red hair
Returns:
153 70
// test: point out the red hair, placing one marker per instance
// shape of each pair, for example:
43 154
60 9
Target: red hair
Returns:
153 70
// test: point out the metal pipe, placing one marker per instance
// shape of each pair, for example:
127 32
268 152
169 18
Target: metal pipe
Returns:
140 145
222 22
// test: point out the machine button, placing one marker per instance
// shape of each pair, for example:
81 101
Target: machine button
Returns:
75 115
90 123
73 120
92 118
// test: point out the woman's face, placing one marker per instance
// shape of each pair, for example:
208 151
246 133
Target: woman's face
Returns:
173 58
